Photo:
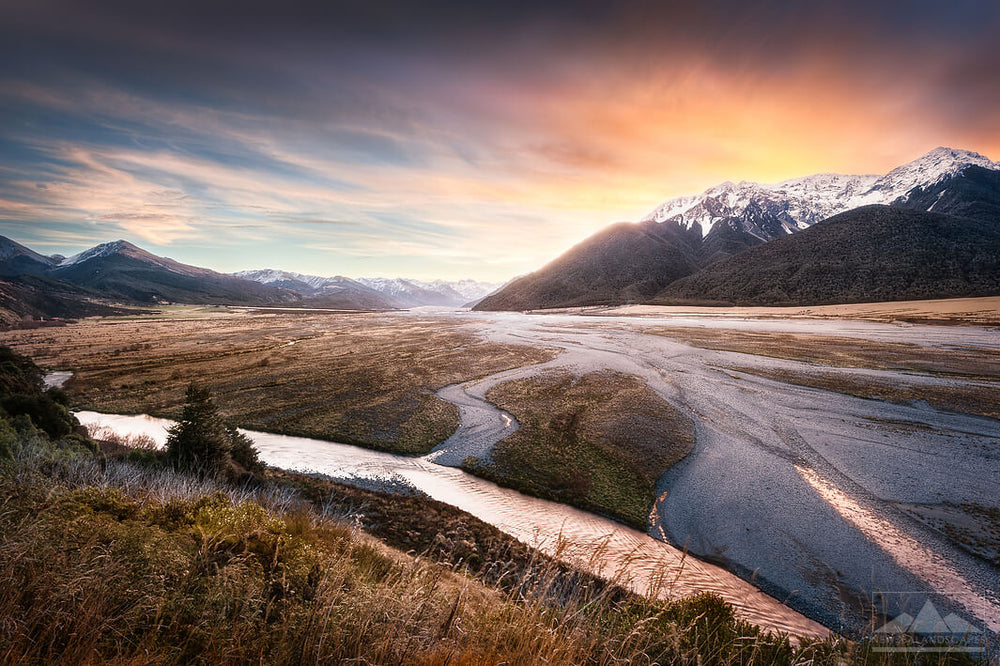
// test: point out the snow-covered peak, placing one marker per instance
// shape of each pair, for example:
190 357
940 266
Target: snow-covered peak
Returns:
407 292
470 290
271 275
454 292
935 166
800 202
414 292
102 250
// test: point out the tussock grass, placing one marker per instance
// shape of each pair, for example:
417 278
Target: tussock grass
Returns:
112 562
979 399
361 379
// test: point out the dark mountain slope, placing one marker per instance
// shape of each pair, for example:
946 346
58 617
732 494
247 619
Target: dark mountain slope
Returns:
348 299
726 239
16 259
873 253
975 193
739 216
623 263
37 296
122 270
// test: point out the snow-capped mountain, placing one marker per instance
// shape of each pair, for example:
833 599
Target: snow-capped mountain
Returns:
401 292
102 250
438 292
295 281
767 211
470 290
688 236
125 250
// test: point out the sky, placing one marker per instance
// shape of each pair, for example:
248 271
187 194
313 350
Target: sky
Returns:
454 139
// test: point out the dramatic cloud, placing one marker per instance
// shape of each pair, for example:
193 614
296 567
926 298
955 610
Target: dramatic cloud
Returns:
453 139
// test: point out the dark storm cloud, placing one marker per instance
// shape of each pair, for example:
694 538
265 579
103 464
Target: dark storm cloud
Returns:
270 54
769 30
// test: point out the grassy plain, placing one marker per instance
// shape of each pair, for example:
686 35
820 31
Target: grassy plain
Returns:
367 379
981 399
598 442
980 311
839 351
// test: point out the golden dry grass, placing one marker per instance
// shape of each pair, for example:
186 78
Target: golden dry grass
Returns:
980 311
980 399
116 564
358 378
840 351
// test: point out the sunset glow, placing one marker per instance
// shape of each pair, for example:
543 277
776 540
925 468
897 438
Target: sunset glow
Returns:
450 141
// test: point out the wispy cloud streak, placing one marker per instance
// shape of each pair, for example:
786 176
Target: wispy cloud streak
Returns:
457 140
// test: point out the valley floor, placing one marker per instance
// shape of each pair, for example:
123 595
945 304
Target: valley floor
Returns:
844 466
984 311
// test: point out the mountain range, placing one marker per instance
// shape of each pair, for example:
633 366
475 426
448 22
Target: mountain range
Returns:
746 243
99 281
927 229
396 292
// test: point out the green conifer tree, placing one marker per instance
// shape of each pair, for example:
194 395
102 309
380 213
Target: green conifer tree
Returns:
199 442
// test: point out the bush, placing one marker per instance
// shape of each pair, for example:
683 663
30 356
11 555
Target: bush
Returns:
45 413
18 374
199 441
22 394
8 438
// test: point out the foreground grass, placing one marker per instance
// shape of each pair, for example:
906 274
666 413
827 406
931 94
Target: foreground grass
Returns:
106 561
599 442
356 378
123 564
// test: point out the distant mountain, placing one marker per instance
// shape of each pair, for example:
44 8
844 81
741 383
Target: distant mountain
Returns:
38 296
330 292
973 193
771 211
469 290
16 259
122 270
410 293
414 293
872 253
98 280
395 292
730 219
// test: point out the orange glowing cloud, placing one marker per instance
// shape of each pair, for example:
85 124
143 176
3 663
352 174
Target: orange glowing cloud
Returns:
484 140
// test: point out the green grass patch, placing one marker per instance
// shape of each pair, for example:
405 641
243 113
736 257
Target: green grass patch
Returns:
599 442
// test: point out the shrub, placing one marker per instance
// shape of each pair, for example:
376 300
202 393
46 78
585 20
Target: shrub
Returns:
8 438
45 413
18 374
